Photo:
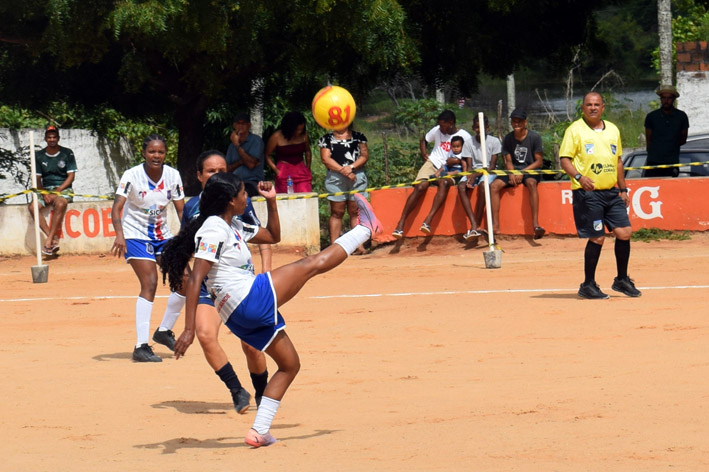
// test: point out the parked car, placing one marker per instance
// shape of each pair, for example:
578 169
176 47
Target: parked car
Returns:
695 150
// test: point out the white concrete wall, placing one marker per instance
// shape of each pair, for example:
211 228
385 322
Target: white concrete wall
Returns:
100 162
87 227
693 88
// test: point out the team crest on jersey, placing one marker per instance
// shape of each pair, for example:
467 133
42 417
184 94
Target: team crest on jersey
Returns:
589 148
614 149
142 194
61 164
598 225
149 248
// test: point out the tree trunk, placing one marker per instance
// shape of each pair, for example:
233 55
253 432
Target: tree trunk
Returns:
257 110
664 30
510 95
190 116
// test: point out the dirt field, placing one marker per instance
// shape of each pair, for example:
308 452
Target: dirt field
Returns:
413 358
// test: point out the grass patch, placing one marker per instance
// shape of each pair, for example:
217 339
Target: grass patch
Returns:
655 234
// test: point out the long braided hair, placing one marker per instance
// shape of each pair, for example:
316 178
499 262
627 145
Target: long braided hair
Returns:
178 251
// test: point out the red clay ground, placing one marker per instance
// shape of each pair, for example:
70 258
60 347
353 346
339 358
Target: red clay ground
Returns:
421 360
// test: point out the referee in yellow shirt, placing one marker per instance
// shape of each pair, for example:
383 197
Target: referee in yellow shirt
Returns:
591 155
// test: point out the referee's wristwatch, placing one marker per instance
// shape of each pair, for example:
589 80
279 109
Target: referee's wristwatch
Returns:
577 177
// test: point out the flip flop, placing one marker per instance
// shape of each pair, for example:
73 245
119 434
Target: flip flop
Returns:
47 251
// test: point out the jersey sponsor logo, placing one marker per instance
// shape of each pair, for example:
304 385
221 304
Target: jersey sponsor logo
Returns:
597 168
169 195
45 164
153 211
589 148
446 146
224 300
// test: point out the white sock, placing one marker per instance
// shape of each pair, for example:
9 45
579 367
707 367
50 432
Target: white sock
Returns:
354 238
264 415
175 303
143 310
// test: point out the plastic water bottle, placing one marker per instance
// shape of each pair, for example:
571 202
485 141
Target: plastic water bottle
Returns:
290 185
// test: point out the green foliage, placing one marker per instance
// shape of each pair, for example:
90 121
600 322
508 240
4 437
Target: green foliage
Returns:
417 115
17 118
690 22
112 125
654 234
626 31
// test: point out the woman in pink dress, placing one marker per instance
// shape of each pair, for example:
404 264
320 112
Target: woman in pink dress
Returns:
292 149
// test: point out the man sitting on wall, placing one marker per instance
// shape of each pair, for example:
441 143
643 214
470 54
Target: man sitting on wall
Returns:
56 167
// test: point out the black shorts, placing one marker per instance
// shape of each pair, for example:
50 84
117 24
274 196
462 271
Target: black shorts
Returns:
506 178
598 209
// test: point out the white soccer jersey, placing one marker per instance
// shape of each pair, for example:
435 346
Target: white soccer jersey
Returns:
232 273
442 145
144 214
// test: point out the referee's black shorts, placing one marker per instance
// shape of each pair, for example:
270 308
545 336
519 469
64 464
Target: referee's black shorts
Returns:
599 209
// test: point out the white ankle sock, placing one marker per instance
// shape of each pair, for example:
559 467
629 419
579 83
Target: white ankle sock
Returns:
143 310
352 239
175 303
264 415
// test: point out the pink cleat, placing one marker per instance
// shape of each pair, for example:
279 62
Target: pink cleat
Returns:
367 218
254 439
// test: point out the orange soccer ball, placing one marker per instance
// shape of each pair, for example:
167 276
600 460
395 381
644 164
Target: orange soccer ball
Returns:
334 107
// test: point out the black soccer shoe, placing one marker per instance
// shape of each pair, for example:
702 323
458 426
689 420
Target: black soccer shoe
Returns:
144 353
166 338
625 286
241 399
591 291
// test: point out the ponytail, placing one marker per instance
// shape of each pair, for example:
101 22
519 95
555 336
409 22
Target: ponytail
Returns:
178 251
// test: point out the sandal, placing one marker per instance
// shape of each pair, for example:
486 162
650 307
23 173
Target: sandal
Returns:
539 232
398 233
425 228
472 233
47 251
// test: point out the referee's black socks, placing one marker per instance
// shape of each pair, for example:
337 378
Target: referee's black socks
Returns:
622 256
590 260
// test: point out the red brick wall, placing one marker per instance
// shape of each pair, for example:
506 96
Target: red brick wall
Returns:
692 56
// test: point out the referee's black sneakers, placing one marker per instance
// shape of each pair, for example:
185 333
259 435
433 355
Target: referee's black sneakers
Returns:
626 286
592 291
